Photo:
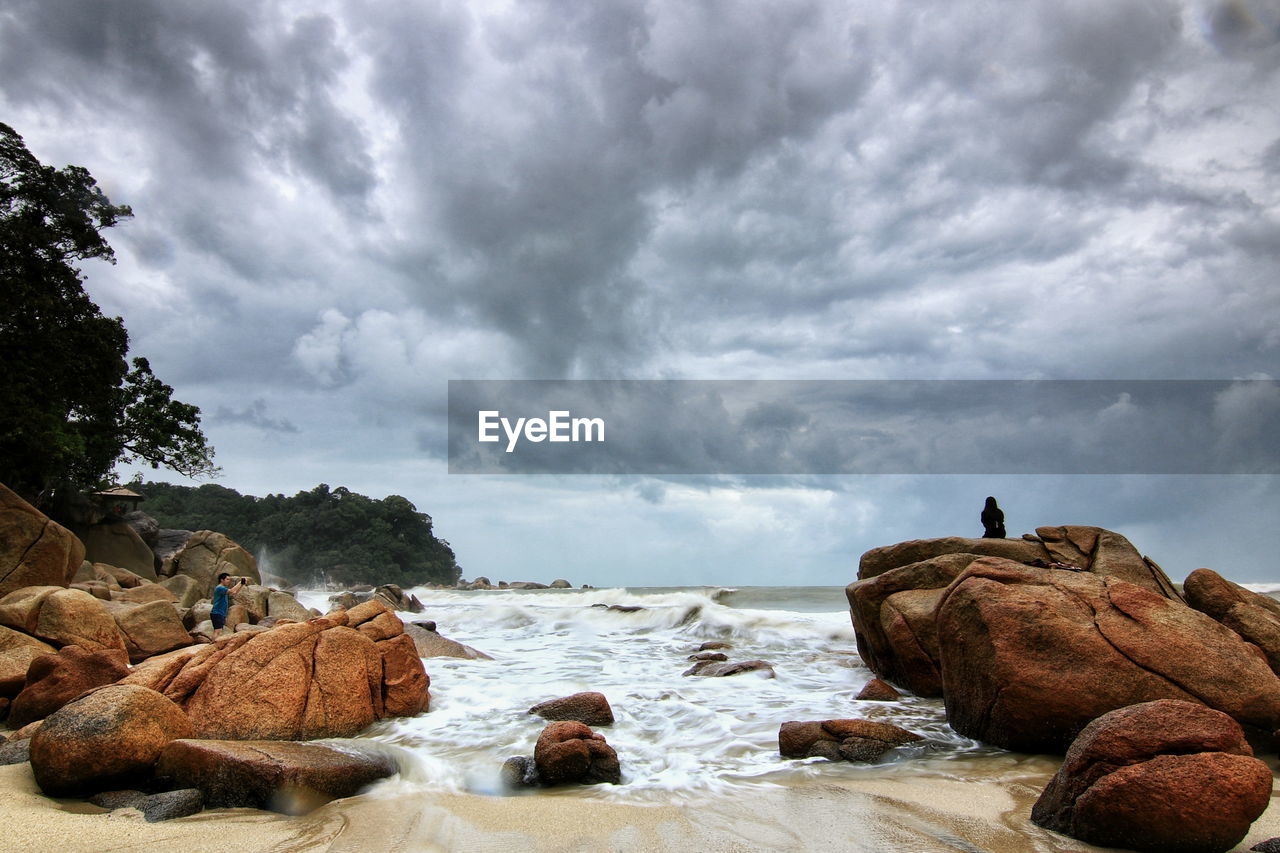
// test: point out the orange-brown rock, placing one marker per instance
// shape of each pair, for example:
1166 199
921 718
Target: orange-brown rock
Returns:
322 680
149 629
384 626
590 709
292 778
208 554
20 609
569 752
97 589
145 593
74 617
186 591
1164 776
1029 656
34 551
361 613
107 739
405 685
878 690
1253 616
284 606
55 679
841 740
17 651
893 622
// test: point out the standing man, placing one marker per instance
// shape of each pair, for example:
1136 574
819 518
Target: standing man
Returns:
222 601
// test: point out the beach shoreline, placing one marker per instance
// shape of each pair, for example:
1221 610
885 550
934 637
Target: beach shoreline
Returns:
922 812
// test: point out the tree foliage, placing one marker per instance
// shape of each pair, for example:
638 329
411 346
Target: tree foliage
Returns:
72 408
322 534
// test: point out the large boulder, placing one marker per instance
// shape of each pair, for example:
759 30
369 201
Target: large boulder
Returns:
55 679
1029 656
892 614
116 543
74 617
150 628
208 554
168 543
841 740
431 644
186 591
17 651
1164 776
20 609
144 594
109 738
34 551
326 680
590 709
282 605
292 778
1253 616
1093 549
569 752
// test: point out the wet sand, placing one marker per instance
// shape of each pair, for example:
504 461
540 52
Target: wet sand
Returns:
970 806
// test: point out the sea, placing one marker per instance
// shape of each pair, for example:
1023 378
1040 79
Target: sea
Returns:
678 738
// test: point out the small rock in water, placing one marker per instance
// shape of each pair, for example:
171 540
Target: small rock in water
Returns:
835 740
569 752
717 669
519 771
591 709
712 656
712 645
878 690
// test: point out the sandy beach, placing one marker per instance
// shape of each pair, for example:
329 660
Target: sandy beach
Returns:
921 812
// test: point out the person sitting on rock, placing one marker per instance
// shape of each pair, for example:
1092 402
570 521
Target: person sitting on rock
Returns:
222 601
992 521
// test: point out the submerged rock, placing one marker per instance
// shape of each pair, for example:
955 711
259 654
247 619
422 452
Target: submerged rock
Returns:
878 690
1165 776
716 669
837 740
591 709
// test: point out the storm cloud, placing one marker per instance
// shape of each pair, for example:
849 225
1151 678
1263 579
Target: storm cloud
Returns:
341 205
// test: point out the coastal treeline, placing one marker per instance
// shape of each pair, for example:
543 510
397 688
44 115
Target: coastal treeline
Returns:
324 534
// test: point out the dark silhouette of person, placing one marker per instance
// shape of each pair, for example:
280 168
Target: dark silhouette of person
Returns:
992 521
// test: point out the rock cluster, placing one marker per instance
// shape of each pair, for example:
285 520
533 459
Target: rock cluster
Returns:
330 677
1029 640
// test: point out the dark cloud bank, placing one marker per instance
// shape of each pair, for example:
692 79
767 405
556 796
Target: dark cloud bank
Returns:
341 205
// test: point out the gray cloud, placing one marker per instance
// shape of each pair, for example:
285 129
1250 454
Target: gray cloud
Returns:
340 205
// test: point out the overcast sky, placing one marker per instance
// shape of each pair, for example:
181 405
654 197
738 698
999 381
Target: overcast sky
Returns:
340 205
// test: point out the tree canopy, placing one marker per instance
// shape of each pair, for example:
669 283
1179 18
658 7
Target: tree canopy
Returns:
319 535
71 406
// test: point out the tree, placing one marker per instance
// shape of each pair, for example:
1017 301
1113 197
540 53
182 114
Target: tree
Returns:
70 407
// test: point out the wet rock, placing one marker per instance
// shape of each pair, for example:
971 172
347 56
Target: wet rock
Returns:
519 771
526 585
53 680
106 739
714 669
712 645
878 690
561 583
1165 776
591 709
712 656
569 752
154 807
282 776
1030 656
841 740
34 551
430 644
405 685
15 751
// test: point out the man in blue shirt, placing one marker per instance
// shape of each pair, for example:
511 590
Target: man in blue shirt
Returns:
222 601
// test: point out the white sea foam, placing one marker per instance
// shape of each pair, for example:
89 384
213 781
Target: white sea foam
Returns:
673 734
